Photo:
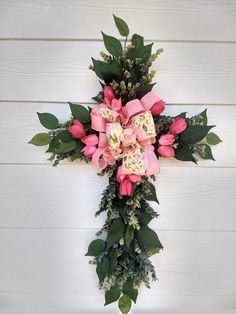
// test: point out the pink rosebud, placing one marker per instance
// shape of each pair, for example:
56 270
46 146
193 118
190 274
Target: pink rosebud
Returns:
178 126
108 93
166 139
166 151
88 151
126 187
158 108
90 140
77 129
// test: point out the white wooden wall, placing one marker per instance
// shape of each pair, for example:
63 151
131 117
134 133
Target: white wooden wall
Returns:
47 214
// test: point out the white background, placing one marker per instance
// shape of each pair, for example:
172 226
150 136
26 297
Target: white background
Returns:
47 214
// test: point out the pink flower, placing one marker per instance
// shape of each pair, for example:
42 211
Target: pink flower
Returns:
108 93
88 151
90 140
166 151
178 126
166 139
126 181
77 129
158 108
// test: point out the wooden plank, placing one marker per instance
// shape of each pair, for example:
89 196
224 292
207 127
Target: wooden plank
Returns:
68 197
53 262
18 127
89 304
58 71
162 20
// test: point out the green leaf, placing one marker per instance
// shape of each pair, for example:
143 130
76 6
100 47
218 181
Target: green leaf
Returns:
112 45
154 250
184 153
206 152
124 304
107 71
115 231
113 254
79 146
129 235
64 136
144 218
137 41
40 139
182 115
144 89
152 196
96 247
102 268
129 290
213 139
148 238
80 113
66 147
112 295
195 133
121 26
143 53
203 114
48 120
54 144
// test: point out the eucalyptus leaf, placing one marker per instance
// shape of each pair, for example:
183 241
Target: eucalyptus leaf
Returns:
124 304
112 295
152 196
48 120
113 45
96 247
213 139
41 139
80 113
121 26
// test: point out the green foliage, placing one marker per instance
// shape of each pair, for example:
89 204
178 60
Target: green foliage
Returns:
145 218
144 89
115 231
137 41
112 45
40 139
112 295
205 152
148 238
129 235
80 113
64 136
65 147
113 255
195 133
78 147
107 71
142 53
184 153
124 304
48 120
96 247
102 268
121 26
213 139
203 115
150 194
129 290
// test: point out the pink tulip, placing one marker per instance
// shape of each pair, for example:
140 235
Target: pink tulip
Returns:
178 126
158 108
166 139
90 140
166 151
125 187
77 129
108 93
88 151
